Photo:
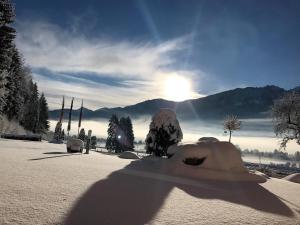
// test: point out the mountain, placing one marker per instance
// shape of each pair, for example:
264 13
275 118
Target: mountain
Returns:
249 102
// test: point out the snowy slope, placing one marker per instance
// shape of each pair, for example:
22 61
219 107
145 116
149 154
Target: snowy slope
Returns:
40 184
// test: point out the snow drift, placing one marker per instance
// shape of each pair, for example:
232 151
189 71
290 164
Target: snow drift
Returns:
214 160
295 177
129 155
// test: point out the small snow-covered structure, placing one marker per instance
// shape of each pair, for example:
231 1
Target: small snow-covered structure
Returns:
75 145
295 177
210 155
164 131
129 155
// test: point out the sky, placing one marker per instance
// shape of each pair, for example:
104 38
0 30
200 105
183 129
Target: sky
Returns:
117 53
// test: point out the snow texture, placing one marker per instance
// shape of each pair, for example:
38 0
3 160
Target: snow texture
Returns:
41 184
129 155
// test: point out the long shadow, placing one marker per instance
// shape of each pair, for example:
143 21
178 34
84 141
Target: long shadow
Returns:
129 198
51 157
54 153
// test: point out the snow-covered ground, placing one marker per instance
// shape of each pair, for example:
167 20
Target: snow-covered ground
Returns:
41 184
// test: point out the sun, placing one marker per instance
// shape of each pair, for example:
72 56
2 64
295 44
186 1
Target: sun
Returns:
177 88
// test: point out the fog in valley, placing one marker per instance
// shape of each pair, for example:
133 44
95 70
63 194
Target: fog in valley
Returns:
254 133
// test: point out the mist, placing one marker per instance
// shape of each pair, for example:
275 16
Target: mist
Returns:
254 133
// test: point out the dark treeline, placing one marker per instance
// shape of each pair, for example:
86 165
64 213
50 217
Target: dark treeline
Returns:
19 96
276 154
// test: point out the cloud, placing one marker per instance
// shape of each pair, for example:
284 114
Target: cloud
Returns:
102 71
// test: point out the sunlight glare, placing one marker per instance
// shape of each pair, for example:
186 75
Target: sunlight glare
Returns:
177 88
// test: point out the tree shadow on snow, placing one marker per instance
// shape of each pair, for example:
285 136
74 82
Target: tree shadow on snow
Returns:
54 153
56 156
134 196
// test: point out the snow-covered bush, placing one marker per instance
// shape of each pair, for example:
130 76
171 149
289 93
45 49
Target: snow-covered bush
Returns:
164 131
57 136
11 126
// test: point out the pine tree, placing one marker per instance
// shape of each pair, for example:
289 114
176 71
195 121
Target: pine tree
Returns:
81 135
15 88
130 134
7 35
62 135
3 91
125 134
30 120
112 142
43 124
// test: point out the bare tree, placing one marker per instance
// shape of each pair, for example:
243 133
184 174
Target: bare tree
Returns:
232 123
286 118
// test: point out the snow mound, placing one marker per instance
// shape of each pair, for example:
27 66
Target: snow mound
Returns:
295 177
75 144
129 155
207 139
210 155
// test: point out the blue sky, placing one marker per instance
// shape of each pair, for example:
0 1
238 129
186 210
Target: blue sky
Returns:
116 53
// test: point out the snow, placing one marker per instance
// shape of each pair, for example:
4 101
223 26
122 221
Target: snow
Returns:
293 178
129 155
41 184
218 156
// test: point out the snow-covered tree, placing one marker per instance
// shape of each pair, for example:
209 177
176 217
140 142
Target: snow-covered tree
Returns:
232 123
15 87
57 136
164 131
3 91
7 35
286 117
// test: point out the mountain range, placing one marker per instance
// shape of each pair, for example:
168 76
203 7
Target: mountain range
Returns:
249 102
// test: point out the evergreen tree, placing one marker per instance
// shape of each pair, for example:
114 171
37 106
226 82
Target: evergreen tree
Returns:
15 88
7 35
112 142
81 135
63 135
43 124
30 120
126 137
3 81
164 131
